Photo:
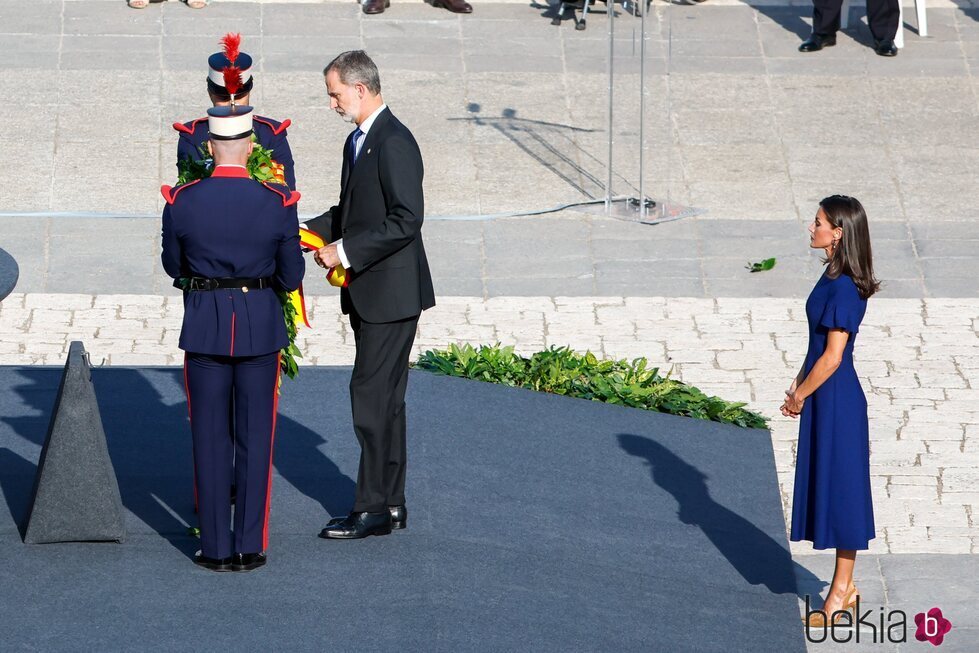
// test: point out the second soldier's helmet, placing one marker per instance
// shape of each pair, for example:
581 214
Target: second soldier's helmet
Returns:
229 58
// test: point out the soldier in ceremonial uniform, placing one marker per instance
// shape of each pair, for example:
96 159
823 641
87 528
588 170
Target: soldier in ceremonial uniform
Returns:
270 134
233 242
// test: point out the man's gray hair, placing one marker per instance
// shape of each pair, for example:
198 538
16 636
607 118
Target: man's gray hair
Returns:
354 66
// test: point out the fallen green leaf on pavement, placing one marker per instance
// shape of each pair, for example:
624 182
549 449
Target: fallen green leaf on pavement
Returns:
761 266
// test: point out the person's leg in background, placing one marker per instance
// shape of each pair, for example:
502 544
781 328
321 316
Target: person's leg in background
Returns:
825 25
883 17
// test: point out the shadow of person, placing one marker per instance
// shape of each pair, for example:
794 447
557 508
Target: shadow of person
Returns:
144 414
792 19
552 145
753 553
300 462
150 460
16 483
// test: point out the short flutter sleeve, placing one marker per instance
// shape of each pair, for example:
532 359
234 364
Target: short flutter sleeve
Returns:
844 307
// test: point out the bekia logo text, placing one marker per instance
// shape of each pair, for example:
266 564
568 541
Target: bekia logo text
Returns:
883 627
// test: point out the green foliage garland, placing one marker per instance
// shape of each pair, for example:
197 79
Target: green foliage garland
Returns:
261 166
559 370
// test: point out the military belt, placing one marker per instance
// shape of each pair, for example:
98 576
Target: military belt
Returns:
243 284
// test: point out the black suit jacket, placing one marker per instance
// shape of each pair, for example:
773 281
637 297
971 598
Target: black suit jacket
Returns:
379 217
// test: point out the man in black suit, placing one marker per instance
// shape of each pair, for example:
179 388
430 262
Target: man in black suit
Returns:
882 16
374 232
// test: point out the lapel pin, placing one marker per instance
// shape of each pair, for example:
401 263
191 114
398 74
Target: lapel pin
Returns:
368 150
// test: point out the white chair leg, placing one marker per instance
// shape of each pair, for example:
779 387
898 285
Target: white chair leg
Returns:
919 8
845 15
899 37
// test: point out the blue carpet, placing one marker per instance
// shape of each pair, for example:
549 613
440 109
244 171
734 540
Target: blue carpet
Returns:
537 523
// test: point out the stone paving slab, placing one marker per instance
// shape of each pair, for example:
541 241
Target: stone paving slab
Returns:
509 110
918 360
585 255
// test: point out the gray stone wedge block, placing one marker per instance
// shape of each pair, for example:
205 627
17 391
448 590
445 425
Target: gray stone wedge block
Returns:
76 494
9 273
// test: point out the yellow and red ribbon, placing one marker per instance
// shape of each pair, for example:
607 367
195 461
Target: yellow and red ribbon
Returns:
310 240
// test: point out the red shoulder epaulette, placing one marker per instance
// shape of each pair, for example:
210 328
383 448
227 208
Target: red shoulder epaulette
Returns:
187 127
275 129
170 192
289 197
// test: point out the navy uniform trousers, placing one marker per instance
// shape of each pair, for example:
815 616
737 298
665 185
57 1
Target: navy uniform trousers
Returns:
232 446
882 16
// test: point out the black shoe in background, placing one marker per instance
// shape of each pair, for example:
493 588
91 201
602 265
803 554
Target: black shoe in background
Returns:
815 43
885 48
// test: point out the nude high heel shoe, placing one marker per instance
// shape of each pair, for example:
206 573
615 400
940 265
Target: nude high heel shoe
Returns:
821 619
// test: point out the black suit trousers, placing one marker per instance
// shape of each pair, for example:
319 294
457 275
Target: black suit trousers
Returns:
882 16
377 400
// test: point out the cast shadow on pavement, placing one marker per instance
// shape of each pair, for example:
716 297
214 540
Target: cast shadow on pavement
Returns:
149 443
754 554
552 145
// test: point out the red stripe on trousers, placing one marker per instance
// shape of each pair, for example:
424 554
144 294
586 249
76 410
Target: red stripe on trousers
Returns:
268 488
232 335
190 418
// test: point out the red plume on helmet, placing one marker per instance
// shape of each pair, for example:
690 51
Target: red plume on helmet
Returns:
232 81
231 43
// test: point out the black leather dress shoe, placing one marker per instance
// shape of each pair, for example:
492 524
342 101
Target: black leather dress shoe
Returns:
375 6
358 525
399 518
214 564
815 43
247 561
885 48
455 6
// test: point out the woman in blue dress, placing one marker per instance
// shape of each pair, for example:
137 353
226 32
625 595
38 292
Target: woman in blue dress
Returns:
832 506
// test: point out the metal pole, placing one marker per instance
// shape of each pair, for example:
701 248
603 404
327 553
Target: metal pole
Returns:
642 108
611 75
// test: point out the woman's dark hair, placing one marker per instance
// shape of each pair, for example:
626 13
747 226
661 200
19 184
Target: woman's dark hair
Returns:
852 255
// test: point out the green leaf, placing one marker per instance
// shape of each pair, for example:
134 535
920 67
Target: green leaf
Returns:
761 266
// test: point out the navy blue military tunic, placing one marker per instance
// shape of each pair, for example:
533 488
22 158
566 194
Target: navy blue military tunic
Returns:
232 226
270 134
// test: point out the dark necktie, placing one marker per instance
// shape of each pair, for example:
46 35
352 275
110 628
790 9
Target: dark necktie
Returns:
353 145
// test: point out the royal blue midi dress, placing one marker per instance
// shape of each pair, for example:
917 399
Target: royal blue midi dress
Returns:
831 505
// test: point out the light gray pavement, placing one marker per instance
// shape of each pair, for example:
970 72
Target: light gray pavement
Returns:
510 114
